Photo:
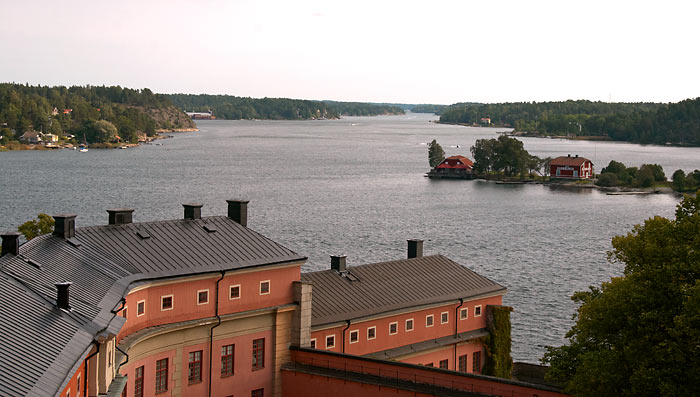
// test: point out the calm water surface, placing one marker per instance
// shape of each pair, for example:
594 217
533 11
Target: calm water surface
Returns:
355 186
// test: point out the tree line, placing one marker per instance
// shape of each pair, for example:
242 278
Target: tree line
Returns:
75 110
676 123
230 107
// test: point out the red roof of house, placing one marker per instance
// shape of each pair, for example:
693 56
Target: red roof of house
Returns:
460 162
568 160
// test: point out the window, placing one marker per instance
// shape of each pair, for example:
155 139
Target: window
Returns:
409 325
194 374
444 364
429 364
476 362
140 308
123 314
429 320
371 333
77 386
138 382
477 311
227 360
109 356
234 292
258 354
354 336
330 341
162 375
257 393
203 297
313 343
393 328
166 302
68 393
265 287
463 363
464 313
444 317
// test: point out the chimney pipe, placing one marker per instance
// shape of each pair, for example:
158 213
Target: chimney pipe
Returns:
64 226
10 243
193 211
238 211
415 248
62 297
120 216
338 262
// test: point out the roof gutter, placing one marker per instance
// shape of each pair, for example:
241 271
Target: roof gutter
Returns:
461 302
85 371
211 330
345 329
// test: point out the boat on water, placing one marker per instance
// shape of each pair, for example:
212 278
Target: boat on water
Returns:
83 148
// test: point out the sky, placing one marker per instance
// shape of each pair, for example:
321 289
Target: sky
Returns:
434 51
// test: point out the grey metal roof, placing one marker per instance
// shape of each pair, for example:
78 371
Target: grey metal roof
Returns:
42 346
388 286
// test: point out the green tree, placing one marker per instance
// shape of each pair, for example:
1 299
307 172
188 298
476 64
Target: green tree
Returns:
607 179
43 224
679 181
637 335
435 154
99 131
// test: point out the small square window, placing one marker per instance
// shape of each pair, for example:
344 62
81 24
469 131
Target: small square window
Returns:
409 325
265 287
234 292
444 317
371 333
463 313
140 308
354 336
166 302
124 312
429 320
444 364
313 343
330 341
203 297
477 311
393 328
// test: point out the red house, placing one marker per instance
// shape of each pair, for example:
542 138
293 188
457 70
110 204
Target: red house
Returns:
571 167
453 167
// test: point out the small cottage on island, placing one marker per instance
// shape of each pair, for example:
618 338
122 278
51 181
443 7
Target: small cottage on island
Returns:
455 167
567 167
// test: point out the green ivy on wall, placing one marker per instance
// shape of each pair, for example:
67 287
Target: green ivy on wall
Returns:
497 343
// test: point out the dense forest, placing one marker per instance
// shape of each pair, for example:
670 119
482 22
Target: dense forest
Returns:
427 108
230 107
676 123
86 111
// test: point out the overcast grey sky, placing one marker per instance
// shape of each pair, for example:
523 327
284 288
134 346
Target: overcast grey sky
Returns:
390 51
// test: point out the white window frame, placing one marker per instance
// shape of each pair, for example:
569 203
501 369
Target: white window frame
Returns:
475 308
432 320
464 313
395 323
137 308
375 333
269 287
333 346
312 343
68 392
448 317
240 291
203 290
77 385
413 325
356 332
172 300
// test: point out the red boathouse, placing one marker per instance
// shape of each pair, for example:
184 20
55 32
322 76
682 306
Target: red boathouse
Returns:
458 167
571 167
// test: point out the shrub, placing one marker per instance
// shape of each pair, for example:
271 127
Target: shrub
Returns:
607 179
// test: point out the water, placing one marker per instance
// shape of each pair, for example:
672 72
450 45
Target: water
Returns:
355 186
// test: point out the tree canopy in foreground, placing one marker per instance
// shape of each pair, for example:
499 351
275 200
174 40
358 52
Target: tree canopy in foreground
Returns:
639 334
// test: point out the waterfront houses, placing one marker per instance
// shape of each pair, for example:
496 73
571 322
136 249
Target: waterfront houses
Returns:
567 167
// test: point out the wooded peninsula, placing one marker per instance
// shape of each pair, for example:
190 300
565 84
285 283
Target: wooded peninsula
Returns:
646 123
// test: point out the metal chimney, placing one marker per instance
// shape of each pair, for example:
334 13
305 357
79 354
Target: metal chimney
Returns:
193 211
120 216
415 248
62 296
238 211
10 243
338 262
64 226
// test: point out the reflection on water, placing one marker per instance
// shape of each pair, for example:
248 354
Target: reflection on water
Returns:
329 187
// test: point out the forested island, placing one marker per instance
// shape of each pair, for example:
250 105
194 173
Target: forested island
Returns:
646 123
230 107
92 114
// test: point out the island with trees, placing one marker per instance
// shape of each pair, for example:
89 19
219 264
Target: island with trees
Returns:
99 115
647 123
